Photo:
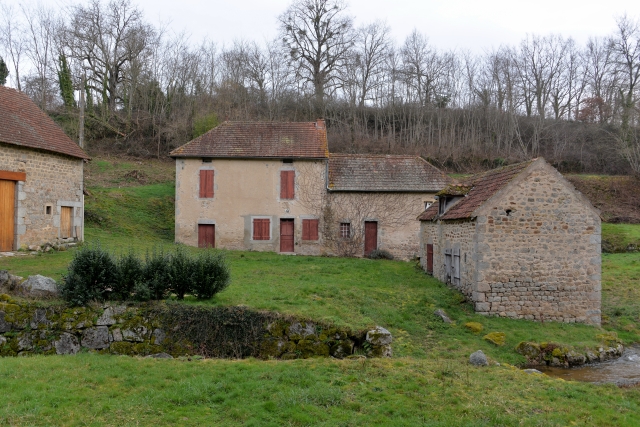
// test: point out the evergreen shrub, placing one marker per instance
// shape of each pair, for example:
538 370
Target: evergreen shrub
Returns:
95 275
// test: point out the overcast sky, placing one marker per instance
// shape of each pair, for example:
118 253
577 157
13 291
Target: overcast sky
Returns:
475 25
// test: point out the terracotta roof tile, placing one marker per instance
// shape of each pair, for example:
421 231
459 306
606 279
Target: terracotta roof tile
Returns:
259 139
483 187
368 172
23 123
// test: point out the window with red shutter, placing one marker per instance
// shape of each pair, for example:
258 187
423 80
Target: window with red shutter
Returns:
309 229
287 184
261 229
206 184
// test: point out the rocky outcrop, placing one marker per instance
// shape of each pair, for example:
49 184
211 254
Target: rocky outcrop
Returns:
38 287
559 355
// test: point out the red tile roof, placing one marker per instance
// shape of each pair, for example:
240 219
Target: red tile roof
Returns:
23 123
259 139
397 173
483 187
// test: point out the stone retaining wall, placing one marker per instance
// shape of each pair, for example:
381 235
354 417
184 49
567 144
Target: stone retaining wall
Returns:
148 329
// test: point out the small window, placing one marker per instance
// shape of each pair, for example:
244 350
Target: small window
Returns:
206 184
310 229
287 185
345 230
206 160
261 229
48 209
287 160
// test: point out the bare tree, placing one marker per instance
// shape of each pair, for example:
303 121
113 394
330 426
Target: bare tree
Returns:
13 38
318 35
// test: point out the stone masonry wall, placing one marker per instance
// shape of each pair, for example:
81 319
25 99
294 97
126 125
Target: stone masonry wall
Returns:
52 179
539 252
147 329
454 235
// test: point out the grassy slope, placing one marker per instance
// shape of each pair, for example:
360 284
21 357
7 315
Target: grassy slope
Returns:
430 374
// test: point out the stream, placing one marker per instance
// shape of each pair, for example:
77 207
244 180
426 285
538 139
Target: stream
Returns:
623 371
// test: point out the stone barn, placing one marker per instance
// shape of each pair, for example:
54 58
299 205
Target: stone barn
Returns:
519 242
41 177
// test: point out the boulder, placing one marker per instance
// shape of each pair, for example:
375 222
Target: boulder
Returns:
379 336
67 344
478 359
158 336
4 277
106 319
341 349
441 314
4 325
135 334
39 287
96 338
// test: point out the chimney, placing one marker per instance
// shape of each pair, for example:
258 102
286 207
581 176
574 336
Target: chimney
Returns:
320 124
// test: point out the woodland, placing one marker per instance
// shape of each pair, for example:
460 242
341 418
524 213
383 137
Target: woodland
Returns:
145 89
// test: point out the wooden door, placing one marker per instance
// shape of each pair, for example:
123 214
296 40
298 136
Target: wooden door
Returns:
429 258
7 214
370 237
286 235
206 236
66 222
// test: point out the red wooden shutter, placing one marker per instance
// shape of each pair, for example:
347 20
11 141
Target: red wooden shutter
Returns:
310 229
261 229
305 230
206 184
287 184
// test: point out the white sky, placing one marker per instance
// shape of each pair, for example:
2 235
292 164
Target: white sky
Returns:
474 25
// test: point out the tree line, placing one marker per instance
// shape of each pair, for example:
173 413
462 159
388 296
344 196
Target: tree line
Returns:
147 89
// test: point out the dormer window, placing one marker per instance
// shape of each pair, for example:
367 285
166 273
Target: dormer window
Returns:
445 202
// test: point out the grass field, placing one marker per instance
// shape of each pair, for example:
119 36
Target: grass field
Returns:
428 382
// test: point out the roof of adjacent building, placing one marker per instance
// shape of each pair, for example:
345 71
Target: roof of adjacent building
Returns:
382 173
23 123
259 139
483 186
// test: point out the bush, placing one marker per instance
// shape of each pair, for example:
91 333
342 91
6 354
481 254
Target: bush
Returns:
380 254
156 274
210 274
129 271
93 275
90 276
180 272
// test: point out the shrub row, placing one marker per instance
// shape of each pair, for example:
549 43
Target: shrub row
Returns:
96 275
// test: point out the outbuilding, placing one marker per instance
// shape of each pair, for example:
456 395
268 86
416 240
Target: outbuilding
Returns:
520 242
41 177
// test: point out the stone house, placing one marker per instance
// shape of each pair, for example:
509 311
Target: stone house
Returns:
275 187
41 177
519 242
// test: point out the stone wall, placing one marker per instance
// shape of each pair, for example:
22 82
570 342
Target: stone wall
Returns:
176 330
539 252
53 180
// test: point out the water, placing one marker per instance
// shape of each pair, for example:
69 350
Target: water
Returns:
623 371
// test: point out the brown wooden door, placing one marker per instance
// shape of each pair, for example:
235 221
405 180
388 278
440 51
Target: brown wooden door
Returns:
429 258
370 237
7 214
286 235
206 236
66 222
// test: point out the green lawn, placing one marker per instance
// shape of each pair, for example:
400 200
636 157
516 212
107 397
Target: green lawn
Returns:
428 382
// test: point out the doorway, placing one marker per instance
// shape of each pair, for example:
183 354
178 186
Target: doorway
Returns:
206 235
370 237
286 235
7 214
